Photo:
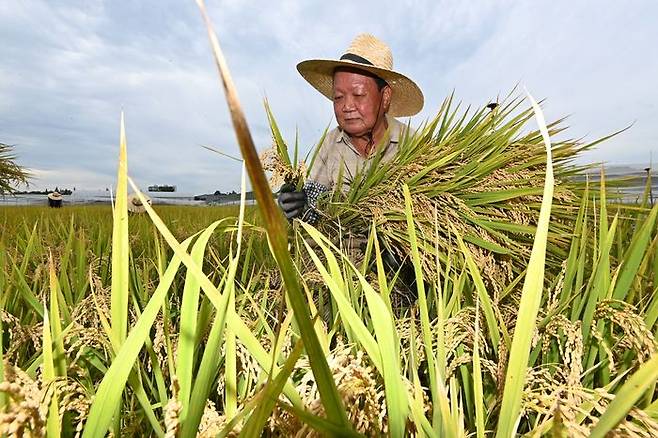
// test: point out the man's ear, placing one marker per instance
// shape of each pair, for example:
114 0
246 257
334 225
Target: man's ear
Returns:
386 97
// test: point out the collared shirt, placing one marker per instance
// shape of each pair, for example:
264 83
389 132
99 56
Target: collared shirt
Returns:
338 151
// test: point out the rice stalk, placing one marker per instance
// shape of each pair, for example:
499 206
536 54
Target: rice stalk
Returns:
277 234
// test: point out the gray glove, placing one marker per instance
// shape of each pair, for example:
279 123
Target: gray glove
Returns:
293 203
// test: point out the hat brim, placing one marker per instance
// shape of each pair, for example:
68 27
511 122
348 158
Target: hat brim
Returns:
407 99
135 205
55 197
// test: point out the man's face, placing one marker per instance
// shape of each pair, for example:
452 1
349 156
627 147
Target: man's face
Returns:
358 103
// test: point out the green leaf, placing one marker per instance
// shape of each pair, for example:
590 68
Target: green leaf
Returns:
530 301
388 342
281 145
108 395
634 255
52 423
436 380
478 392
269 396
120 247
59 355
347 312
188 323
625 398
210 362
276 227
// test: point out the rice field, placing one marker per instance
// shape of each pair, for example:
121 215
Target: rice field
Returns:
220 351
230 321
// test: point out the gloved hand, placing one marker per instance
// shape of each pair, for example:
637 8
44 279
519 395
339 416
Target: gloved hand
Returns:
293 203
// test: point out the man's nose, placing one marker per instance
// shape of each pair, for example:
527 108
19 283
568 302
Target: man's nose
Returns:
348 104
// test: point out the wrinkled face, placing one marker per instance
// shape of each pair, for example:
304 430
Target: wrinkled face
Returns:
358 104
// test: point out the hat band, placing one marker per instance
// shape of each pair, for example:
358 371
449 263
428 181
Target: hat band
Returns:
356 58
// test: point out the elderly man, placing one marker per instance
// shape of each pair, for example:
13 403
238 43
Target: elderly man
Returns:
367 93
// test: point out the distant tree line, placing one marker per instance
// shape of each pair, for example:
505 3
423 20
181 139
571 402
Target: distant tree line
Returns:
221 197
45 192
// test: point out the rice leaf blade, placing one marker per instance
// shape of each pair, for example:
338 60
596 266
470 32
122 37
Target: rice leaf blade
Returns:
277 234
52 422
111 387
188 320
530 300
270 394
120 248
634 255
625 398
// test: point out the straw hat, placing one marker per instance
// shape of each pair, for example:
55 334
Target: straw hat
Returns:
55 196
372 55
135 204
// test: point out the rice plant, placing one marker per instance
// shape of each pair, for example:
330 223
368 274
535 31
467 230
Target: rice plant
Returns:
214 321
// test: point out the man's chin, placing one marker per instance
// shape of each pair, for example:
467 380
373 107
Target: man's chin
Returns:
355 129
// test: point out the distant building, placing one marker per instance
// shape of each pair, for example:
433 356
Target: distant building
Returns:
162 188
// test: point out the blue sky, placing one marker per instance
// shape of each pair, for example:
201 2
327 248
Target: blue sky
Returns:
70 67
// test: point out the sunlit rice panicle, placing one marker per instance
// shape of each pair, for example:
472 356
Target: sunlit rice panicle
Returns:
281 172
627 331
172 411
19 335
247 368
359 388
24 413
213 422
160 342
569 339
75 400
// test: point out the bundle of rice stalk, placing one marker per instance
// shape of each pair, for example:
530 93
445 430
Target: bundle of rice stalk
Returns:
480 173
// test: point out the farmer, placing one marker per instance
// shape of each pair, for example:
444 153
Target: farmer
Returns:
367 93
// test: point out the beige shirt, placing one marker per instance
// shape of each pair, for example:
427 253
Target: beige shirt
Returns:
337 150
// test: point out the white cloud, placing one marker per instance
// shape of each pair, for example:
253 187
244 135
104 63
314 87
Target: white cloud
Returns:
70 177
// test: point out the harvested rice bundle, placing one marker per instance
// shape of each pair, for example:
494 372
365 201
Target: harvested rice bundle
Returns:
480 176
277 161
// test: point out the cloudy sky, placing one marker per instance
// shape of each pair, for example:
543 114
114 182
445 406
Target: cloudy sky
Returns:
68 68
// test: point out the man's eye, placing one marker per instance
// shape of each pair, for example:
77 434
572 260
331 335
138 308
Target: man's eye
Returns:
337 98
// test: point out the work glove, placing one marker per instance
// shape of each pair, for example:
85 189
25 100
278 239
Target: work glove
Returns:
292 202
